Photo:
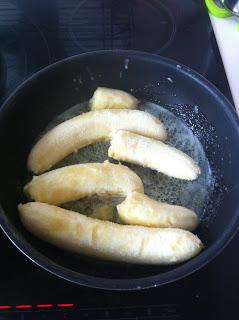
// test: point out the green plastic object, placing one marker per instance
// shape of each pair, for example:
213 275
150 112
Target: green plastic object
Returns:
216 10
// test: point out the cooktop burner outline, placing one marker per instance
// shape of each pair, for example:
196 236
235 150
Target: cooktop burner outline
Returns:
16 47
121 25
38 32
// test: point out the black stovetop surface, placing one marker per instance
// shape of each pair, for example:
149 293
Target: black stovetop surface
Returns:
36 33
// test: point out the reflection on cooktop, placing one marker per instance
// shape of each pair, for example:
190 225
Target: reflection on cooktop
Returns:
36 33
126 24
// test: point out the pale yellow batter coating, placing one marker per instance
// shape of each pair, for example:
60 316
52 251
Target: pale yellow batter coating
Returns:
88 128
77 181
139 209
154 154
135 244
107 98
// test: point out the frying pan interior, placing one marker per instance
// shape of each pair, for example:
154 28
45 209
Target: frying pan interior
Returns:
55 89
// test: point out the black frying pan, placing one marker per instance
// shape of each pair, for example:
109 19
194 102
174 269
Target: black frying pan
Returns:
51 91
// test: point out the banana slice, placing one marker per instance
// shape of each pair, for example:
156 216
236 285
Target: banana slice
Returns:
139 209
77 181
89 128
103 239
154 154
106 98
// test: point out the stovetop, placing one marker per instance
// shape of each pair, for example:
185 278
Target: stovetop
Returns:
39 32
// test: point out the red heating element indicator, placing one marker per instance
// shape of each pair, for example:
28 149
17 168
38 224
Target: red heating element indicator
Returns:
5 307
65 305
37 306
46 305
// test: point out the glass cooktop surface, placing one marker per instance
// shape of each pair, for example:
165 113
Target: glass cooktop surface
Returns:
36 33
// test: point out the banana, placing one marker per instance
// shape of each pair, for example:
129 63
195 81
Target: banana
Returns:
139 209
89 128
77 181
103 239
106 98
154 154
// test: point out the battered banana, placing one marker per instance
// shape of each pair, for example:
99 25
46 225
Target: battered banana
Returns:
77 181
139 209
154 154
89 128
106 98
75 232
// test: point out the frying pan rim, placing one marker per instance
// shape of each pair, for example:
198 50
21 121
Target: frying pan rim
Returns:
182 270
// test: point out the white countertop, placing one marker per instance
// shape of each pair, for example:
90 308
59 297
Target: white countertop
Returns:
227 35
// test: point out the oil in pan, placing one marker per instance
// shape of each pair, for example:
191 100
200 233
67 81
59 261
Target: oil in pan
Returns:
191 194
